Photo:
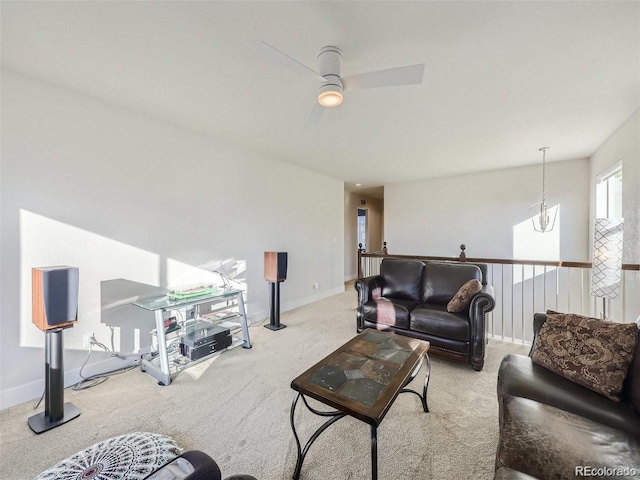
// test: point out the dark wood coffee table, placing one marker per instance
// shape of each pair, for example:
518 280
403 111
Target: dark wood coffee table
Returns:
361 379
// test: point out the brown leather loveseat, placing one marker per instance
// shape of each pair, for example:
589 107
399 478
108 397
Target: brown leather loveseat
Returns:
410 297
553 428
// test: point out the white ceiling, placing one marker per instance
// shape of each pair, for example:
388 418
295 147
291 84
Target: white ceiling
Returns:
501 80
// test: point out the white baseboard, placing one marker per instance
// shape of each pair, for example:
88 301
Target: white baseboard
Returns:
260 316
311 298
351 276
33 390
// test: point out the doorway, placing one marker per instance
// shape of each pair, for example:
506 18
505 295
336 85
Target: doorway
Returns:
363 227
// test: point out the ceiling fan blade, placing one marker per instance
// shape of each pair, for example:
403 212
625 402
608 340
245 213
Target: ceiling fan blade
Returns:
271 53
392 77
314 115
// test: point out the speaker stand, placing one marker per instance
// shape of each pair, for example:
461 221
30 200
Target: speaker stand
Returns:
56 412
274 323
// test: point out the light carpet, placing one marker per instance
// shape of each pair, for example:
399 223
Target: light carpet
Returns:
235 407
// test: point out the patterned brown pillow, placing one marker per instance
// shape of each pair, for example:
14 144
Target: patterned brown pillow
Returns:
588 351
463 297
632 383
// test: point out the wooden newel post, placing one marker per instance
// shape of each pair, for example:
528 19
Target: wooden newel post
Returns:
463 256
384 248
360 250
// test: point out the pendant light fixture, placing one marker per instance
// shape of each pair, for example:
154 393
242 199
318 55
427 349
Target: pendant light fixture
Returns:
543 218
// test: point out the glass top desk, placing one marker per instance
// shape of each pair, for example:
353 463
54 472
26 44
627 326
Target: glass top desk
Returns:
169 360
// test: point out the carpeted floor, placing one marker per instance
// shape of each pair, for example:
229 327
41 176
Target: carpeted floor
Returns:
235 407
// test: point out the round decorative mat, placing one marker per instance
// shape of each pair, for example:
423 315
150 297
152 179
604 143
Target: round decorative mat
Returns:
127 457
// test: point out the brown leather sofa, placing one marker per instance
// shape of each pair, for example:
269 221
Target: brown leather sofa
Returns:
550 426
410 297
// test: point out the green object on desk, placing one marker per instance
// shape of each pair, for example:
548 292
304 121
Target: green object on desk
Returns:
182 296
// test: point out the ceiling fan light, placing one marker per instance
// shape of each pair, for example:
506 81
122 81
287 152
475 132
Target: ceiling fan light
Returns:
330 98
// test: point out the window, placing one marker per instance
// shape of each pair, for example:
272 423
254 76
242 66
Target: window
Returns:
362 227
609 192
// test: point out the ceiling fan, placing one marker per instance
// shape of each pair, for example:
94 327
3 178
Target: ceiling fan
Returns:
332 83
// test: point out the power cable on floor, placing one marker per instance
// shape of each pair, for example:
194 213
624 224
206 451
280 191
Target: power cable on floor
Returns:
97 379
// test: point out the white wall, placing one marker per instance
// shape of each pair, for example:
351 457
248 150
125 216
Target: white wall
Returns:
375 217
120 195
489 212
623 144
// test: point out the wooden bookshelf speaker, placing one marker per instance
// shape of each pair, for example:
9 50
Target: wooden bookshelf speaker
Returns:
54 300
275 266
54 297
275 272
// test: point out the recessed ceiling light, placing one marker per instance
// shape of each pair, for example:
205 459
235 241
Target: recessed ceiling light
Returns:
358 184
